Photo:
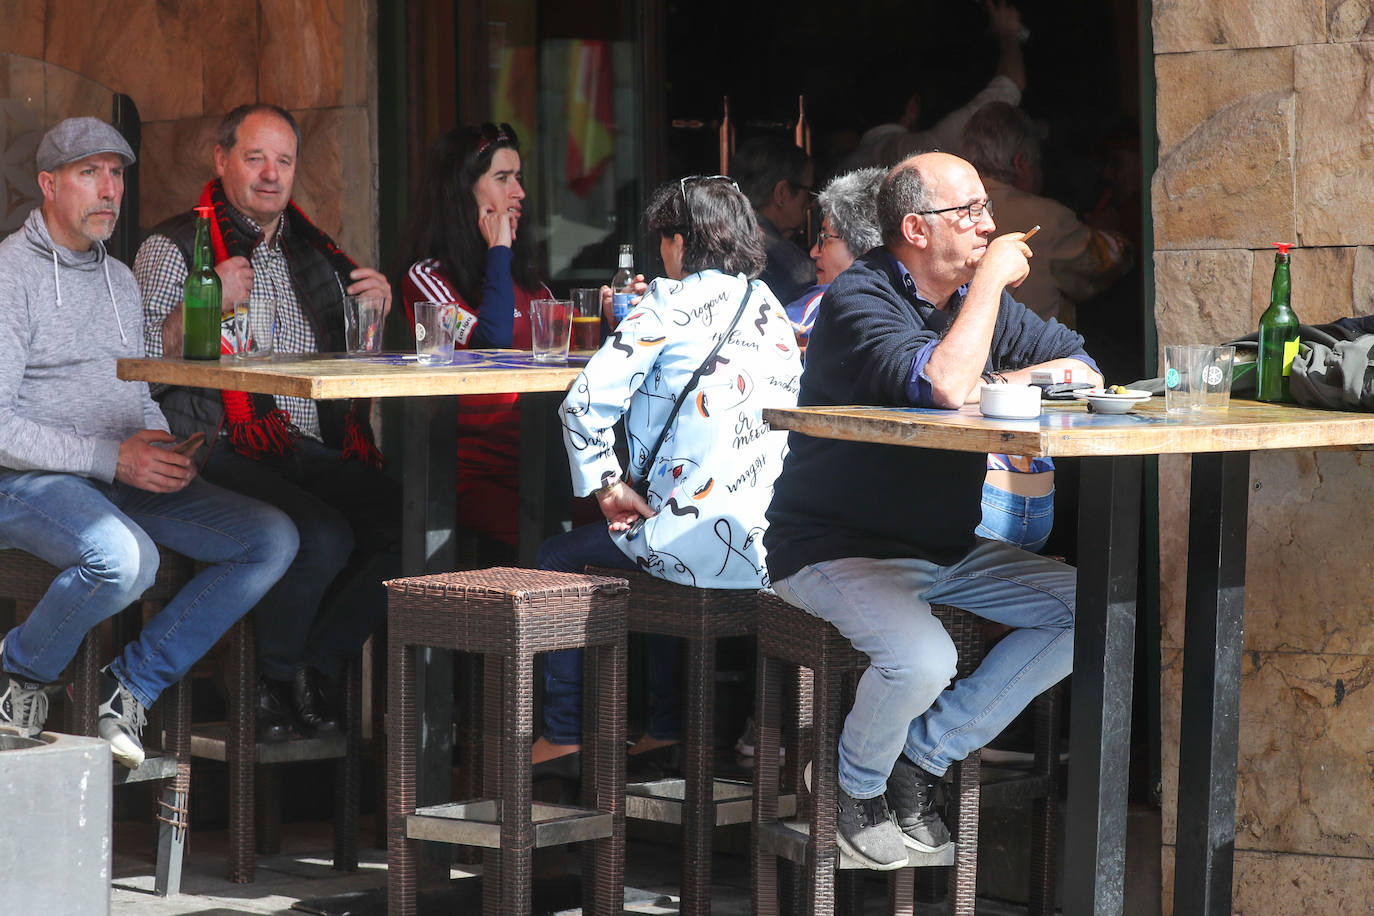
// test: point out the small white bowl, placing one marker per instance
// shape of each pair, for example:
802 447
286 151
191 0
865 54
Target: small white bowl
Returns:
1110 405
1103 401
1009 402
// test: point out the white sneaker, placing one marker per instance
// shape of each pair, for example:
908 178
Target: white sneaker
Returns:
23 703
121 721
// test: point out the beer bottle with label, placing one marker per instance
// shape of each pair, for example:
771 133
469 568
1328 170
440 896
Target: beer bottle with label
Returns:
1278 335
200 304
622 284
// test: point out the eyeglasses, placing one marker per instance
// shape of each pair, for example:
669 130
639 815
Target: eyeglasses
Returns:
972 212
823 237
693 179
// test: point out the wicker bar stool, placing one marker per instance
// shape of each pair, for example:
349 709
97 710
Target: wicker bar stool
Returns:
789 637
1039 785
25 579
507 616
697 801
254 795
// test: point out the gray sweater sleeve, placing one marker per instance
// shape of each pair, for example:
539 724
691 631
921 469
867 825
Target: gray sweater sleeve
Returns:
24 444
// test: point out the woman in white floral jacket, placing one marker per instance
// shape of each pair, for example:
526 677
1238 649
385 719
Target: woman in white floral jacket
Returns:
702 520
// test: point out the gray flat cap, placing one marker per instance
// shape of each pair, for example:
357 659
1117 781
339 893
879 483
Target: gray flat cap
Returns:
77 138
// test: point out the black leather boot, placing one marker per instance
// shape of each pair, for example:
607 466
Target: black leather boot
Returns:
307 701
274 718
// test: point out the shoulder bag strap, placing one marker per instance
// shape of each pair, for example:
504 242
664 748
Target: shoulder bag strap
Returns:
692 383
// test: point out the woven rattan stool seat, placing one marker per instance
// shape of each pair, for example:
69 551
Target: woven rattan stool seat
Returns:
697 801
25 578
790 637
508 615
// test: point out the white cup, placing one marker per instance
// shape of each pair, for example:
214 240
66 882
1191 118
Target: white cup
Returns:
1009 402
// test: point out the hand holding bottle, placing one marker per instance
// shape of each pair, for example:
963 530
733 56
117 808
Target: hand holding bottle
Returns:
637 287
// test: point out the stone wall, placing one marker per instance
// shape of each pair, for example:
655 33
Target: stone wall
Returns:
187 62
1266 132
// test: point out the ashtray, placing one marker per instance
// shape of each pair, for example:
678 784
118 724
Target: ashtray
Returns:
1009 402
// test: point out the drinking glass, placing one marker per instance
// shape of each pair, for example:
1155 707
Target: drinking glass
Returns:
551 323
363 325
1182 377
254 320
434 332
1214 378
586 321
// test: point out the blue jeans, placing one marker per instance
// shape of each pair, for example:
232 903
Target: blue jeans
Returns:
574 551
1021 521
103 537
904 701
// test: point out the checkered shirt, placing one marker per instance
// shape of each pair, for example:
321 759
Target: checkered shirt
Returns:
161 272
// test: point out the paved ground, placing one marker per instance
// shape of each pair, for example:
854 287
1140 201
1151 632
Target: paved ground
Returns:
302 873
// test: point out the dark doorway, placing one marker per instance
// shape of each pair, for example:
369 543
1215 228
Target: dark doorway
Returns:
856 65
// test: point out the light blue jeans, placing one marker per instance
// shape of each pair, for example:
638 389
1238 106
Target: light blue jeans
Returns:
104 537
1021 521
904 701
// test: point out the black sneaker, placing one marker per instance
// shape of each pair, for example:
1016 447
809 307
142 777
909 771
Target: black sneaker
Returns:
121 720
911 793
23 703
865 830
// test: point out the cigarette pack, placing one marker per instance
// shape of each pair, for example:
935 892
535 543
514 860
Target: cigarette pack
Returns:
1060 375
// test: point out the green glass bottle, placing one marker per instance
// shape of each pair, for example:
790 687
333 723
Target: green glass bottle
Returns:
200 304
1278 335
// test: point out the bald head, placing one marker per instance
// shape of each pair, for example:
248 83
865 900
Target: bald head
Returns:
928 181
927 211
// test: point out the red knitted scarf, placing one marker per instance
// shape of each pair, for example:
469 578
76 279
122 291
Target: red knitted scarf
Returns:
257 428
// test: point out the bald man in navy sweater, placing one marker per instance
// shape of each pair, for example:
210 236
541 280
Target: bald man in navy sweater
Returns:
869 536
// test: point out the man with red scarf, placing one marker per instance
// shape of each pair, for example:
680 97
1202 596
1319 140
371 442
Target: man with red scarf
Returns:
314 460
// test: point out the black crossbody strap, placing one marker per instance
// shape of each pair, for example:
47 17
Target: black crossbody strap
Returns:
691 384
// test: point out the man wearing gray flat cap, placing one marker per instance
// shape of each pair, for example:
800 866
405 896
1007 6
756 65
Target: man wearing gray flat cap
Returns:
77 138
87 481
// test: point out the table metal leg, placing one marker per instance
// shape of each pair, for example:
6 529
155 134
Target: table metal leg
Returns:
545 484
1104 658
1209 729
429 488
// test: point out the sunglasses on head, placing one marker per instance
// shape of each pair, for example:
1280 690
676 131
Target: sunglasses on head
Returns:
694 179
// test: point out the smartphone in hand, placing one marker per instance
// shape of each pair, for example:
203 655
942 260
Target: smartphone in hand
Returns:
190 444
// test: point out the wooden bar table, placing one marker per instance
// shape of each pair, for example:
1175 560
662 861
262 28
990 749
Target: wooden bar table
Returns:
1110 448
429 478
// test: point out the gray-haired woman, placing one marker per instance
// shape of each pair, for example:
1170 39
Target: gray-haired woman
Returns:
849 229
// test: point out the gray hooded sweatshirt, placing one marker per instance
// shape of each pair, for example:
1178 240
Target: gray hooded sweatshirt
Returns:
65 317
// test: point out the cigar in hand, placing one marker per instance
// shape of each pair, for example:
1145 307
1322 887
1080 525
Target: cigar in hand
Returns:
1030 233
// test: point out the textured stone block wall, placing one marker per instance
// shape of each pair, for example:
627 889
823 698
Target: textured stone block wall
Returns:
1266 130
187 62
